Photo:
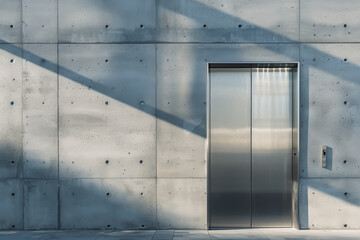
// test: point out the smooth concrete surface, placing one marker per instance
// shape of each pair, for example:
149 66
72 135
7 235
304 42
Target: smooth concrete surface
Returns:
329 21
107 127
107 20
228 21
11 207
181 203
11 111
10 21
244 234
40 21
40 102
108 203
41 204
330 203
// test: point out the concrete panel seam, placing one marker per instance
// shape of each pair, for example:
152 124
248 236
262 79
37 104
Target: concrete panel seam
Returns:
58 131
186 43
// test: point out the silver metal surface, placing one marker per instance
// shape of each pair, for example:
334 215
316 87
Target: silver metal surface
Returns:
271 147
295 145
230 179
323 156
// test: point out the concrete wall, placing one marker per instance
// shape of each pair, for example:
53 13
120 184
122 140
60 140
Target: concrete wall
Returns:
103 104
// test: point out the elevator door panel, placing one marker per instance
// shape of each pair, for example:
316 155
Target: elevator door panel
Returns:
271 147
230 170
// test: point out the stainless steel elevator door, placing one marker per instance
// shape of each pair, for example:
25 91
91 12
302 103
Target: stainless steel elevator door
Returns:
250 147
271 147
230 199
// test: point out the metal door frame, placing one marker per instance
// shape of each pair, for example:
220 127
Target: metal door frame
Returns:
295 128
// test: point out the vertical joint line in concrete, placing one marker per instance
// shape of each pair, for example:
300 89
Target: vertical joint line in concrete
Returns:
22 118
57 92
299 32
251 147
156 119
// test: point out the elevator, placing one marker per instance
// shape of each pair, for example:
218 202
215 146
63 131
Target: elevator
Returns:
252 143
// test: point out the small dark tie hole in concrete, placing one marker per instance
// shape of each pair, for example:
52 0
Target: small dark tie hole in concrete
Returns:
12 194
108 194
13 226
108 226
107 162
345 193
204 26
12 60
141 26
12 103
141 161
345 60
106 60
106 103
11 26
106 26
239 25
141 60
345 102
345 225
345 162
141 194
314 59
345 25
142 225
13 162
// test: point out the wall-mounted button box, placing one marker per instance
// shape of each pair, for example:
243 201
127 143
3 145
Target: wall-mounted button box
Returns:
324 156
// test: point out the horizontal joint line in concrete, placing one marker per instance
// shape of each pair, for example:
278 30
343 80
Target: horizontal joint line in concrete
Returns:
160 42
330 177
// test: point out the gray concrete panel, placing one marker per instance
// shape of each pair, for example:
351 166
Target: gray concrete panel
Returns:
107 108
228 21
39 21
40 204
11 111
329 203
108 203
11 204
88 21
182 203
329 109
181 99
40 126
329 21
10 21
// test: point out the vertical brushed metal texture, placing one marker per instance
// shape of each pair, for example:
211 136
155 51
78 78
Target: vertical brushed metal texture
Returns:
230 183
295 145
271 147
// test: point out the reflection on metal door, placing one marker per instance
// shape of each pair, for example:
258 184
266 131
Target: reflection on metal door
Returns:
250 147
